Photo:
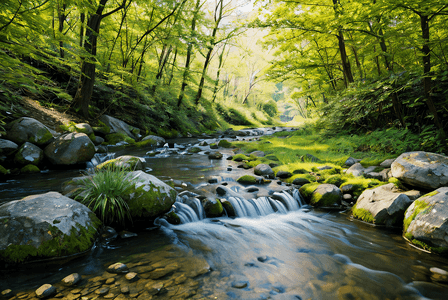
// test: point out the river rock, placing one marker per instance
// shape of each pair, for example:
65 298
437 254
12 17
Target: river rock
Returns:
118 268
300 181
263 170
215 155
387 163
118 126
149 197
45 291
358 170
426 220
125 162
28 130
326 195
383 205
71 279
7 147
45 226
421 169
70 149
351 161
283 174
213 208
29 154
158 141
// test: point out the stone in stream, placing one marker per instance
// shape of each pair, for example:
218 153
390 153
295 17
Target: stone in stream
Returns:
213 208
7 147
71 279
45 226
326 195
28 130
29 154
45 291
263 170
215 155
118 126
283 174
131 276
158 141
126 162
6 294
118 268
70 149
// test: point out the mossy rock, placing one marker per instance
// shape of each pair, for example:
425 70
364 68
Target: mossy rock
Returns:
396 182
194 150
336 179
360 184
326 195
272 157
146 143
247 179
363 214
115 138
241 157
173 218
213 146
300 171
307 190
102 128
213 208
225 144
29 169
126 162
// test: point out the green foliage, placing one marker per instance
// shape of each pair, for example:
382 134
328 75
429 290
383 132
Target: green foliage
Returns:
308 189
362 214
102 193
420 206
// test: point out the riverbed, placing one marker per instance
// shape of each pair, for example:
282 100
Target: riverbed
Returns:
301 254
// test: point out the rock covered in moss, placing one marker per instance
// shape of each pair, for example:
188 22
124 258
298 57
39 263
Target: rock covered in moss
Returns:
84 128
29 154
213 208
70 149
149 197
158 141
247 179
30 169
213 146
215 155
7 147
3 170
326 195
421 169
358 170
45 226
28 130
194 150
426 223
126 162
383 205
283 174
307 190
225 144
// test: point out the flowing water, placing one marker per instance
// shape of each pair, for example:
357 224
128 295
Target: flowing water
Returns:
277 247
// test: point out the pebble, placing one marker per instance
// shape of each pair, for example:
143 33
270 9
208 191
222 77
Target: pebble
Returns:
7 293
110 281
71 279
45 291
132 276
239 284
118 268
438 274
102 291
125 290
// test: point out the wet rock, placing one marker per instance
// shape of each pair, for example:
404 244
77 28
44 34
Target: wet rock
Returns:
29 169
283 174
7 147
251 189
438 275
110 281
421 169
127 234
194 150
158 141
248 179
84 128
102 291
351 161
28 130
153 288
126 162
131 276
215 155
383 205
228 207
118 268
263 170
240 284
109 296
347 188
213 146
71 279
326 195
6 294
225 144
213 208
425 220
29 154
125 290
45 291
45 226
70 149
213 180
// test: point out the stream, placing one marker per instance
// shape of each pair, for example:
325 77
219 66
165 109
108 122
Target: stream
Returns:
295 253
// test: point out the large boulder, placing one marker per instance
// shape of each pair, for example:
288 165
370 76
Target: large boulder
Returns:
421 169
45 226
383 205
358 170
29 154
70 149
326 195
426 223
149 197
118 126
28 130
7 147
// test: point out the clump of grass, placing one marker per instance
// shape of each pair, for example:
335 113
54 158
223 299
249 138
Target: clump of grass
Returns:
103 193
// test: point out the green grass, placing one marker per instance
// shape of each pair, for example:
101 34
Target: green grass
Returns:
102 192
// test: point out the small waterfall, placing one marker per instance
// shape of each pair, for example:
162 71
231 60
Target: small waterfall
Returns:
287 200
242 207
185 213
99 158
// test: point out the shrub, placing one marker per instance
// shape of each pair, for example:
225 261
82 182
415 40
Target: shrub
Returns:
102 193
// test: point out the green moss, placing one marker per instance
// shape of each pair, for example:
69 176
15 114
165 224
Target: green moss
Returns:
396 182
363 214
272 157
194 150
225 144
360 184
103 128
241 157
173 218
145 143
29 169
213 209
92 137
213 146
145 202
420 206
425 246
3 170
79 240
43 136
337 179
115 138
247 179
308 189
324 200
